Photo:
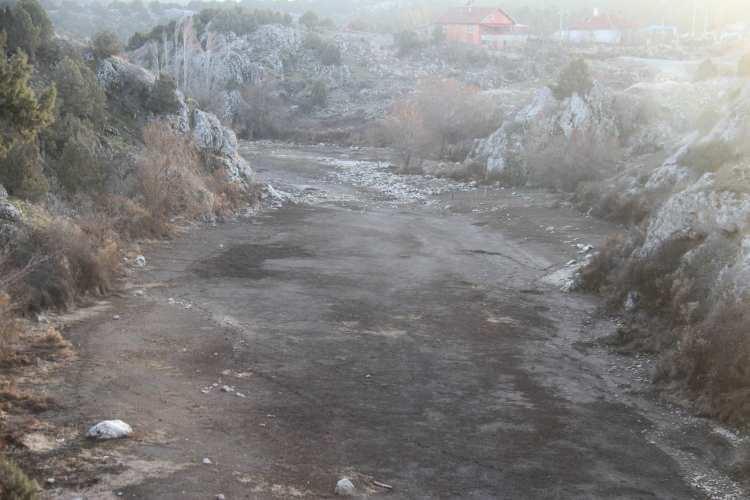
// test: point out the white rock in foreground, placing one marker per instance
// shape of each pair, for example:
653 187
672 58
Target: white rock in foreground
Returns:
110 429
345 488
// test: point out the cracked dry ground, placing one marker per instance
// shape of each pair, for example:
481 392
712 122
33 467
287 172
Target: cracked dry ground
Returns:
390 341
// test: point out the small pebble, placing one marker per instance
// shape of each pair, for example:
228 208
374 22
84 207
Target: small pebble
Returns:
207 461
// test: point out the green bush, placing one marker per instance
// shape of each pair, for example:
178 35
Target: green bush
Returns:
575 78
318 94
78 91
328 52
21 172
22 113
163 98
14 484
407 42
309 19
27 26
79 170
106 44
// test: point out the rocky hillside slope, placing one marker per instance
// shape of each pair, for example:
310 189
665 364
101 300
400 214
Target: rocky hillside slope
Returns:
669 158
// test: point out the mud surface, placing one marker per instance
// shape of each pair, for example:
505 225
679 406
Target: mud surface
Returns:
397 336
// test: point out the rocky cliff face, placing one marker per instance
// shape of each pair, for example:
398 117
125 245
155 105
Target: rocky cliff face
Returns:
215 141
549 131
214 66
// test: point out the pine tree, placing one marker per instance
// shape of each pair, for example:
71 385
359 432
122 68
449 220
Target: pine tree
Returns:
22 113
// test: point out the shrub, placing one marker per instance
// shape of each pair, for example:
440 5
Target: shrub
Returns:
714 361
309 19
168 175
106 44
439 122
575 78
743 67
78 91
438 35
79 169
328 52
706 71
163 98
14 484
407 42
21 172
27 26
709 156
65 261
318 94
263 114
22 114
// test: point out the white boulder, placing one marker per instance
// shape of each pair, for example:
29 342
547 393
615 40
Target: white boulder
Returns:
110 429
345 488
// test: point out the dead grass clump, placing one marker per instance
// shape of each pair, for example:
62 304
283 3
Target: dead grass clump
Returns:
14 484
713 359
169 178
10 331
131 220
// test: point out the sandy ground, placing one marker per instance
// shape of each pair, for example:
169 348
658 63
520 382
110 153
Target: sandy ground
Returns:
394 330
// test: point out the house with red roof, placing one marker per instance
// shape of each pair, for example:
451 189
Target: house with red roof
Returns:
488 26
602 28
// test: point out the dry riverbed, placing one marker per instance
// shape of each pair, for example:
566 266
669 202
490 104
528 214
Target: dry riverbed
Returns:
395 330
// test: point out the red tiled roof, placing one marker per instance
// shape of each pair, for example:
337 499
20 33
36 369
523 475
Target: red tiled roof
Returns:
488 16
603 22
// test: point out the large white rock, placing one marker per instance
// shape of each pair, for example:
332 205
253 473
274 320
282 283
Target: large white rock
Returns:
345 488
110 429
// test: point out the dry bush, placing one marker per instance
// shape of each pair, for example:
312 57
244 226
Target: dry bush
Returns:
169 178
10 330
714 361
130 220
230 196
566 163
64 261
439 122
405 130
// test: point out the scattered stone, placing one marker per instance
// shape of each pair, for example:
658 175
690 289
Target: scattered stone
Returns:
207 461
3 192
345 488
116 317
139 293
140 261
50 480
220 497
110 429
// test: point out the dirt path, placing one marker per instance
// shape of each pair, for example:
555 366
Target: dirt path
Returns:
396 333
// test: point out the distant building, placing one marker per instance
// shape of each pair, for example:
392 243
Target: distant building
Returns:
488 26
599 28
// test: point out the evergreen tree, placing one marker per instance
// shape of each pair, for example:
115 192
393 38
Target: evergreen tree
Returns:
163 97
575 78
22 113
78 91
